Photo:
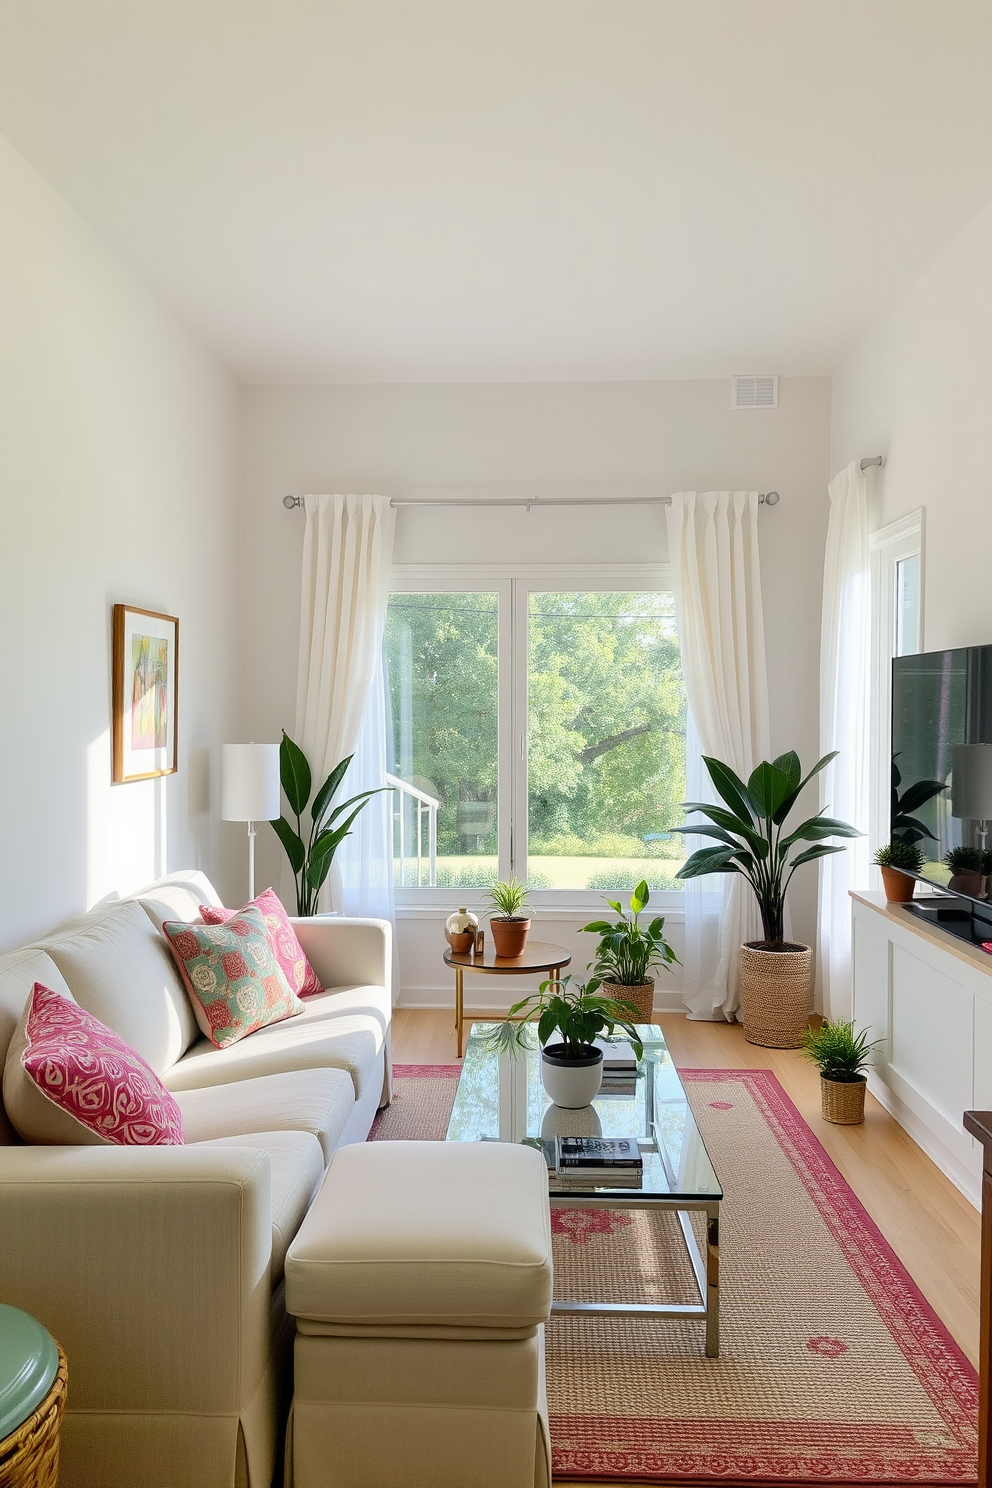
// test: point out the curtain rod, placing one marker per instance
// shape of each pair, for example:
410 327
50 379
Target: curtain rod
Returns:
767 498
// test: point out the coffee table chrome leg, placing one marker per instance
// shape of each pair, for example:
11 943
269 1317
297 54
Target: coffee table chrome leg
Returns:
712 1298
459 1005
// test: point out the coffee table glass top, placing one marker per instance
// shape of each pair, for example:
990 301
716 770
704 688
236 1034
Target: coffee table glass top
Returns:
500 1098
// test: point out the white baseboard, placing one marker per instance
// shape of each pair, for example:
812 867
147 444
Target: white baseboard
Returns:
949 1163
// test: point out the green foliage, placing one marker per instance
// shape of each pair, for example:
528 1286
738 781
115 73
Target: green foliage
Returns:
576 1012
902 823
749 832
507 899
840 1052
627 950
900 854
964 860
311 852
622 877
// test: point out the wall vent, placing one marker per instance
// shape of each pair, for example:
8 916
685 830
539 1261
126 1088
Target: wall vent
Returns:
754 392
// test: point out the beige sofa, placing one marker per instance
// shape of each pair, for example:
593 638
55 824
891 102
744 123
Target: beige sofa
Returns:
160 1270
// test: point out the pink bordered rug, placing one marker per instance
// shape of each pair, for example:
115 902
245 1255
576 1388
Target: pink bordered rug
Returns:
833 1367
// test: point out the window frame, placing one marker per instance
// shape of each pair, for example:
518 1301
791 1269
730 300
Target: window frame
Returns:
888 547
513 585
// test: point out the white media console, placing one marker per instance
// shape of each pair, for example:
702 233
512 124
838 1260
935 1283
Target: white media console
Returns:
928 996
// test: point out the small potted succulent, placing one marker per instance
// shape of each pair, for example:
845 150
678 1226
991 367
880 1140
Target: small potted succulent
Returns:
510 928
571 1067
898 862
967 865
628 951
842 1056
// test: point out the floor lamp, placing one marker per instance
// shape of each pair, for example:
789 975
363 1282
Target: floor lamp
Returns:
971 786
249 790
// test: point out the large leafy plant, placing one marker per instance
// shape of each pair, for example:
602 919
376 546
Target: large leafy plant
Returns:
903 825
311 849
575 1011
751 836
628 950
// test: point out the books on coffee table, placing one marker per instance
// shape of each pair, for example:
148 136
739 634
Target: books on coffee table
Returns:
599 1160
618 1056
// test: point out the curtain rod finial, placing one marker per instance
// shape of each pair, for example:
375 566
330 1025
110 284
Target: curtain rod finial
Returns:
290 501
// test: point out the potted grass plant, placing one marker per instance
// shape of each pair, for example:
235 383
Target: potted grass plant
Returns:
967 870
572 1066
509 926
898 862
842 1056
751 838
628 951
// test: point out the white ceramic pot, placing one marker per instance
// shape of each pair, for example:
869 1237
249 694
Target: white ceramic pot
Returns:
571 1083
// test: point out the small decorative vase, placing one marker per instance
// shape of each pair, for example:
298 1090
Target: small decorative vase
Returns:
898 886
843 1101
459 930
509 936
642 997
571 1083
776 994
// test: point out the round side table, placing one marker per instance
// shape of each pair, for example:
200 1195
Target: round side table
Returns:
538 956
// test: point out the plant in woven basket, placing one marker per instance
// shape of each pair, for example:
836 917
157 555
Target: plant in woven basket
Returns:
751 835
628 951
841 1054
904 856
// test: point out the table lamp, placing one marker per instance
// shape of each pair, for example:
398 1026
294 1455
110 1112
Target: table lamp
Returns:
971 785
249 790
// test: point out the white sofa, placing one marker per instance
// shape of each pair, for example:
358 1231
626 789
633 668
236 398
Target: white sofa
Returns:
160 1270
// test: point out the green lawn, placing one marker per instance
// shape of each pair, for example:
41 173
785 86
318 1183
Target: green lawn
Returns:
564 872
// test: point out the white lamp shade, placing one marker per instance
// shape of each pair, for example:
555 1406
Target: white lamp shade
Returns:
971 782
249 782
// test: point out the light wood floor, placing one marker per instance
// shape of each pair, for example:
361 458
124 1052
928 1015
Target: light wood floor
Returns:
932 1228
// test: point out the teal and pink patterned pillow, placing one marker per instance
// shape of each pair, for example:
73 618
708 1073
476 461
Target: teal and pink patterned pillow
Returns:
97 1087
231 973
288 952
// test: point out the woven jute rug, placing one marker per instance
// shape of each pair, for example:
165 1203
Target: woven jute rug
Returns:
833 1367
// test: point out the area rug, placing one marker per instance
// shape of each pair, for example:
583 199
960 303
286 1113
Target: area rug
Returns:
833 1368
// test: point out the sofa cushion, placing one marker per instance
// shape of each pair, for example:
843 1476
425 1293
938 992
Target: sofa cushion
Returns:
288 952
318 1101
18 973
177 897
119 969
297 1166
234 980
68 1081
318 1039
456 1234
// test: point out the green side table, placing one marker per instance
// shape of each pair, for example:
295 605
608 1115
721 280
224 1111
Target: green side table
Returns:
32 1396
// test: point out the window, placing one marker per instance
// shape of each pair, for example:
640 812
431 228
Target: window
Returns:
897 630
541 727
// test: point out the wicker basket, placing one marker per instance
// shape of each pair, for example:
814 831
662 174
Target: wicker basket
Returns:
843 1101
776 994
641 996
29 1456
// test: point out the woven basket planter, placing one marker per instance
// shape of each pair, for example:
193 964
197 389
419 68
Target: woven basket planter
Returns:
29 1456
776 994
642 998
843 1101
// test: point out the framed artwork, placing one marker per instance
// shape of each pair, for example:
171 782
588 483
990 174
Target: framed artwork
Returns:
145 693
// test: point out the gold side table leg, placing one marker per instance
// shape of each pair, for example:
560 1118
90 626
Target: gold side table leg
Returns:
459 1005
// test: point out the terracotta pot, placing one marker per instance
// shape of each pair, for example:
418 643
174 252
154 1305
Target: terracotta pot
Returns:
898 886
509 936
642 996
971 884
843 1101
572 1083
776 994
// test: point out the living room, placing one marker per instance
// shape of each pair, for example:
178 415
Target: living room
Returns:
531 278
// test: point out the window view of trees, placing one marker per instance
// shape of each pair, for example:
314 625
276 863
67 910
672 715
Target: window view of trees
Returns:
606 733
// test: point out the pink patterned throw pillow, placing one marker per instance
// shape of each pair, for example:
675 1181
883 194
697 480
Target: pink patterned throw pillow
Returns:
288 952
231 973
94 1077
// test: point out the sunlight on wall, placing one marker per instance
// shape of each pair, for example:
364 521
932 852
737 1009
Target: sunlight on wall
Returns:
126 828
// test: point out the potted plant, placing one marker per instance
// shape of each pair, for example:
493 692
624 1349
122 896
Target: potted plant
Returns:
842 1056
967 875
898 862
510 928
571 1067
751 838
628 951
311 852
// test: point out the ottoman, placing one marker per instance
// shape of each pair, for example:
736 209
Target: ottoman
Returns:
420 1281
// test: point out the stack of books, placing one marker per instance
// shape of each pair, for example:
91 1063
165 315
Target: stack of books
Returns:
619 1067
613 1161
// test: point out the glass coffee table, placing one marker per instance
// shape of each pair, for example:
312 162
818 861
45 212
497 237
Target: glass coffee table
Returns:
500 1098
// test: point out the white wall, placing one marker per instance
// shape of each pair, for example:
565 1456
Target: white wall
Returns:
918 390
118 440
576 439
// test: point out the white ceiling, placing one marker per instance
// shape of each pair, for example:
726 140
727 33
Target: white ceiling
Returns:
401 190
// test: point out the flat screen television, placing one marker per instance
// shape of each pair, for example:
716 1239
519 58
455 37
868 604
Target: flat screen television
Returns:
942 779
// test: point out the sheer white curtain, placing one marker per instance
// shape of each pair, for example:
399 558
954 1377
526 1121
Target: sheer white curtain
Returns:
340 707
844 711
713 549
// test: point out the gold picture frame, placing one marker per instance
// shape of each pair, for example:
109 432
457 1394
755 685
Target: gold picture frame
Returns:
145 664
